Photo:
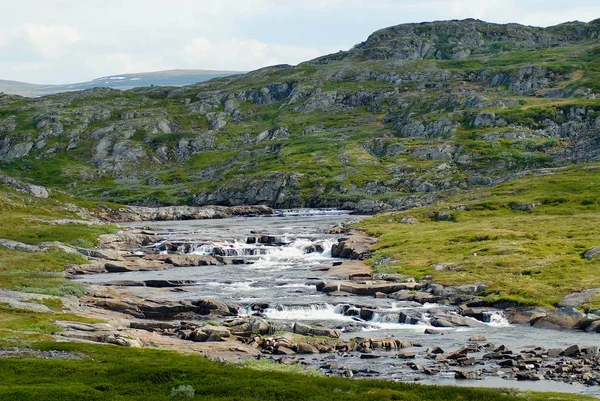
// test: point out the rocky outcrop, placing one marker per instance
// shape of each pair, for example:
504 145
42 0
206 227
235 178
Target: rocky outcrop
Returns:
427 40
37 191
138 213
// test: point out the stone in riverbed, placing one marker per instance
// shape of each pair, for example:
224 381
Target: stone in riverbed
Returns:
139 265
306 330
449 320
168 283
283 350
210 306
404 354
467 375
524 315
305 348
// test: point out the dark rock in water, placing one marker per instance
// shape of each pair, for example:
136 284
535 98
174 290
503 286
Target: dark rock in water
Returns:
212 306
409 317
403 354
434 331
527 376
269 239
354 247
467 375
168 283
366 314
524 315
434 351
369 356
450 320
475 313
573 350
259 307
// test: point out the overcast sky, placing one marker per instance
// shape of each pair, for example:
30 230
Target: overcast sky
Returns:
65 41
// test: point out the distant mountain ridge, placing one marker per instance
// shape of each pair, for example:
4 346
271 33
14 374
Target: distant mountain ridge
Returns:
179 77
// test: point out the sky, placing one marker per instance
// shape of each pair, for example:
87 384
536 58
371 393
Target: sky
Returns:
67 41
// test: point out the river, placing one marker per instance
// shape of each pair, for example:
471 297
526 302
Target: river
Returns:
284 278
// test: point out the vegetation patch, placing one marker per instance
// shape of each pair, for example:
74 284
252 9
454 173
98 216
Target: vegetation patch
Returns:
113 372
523 239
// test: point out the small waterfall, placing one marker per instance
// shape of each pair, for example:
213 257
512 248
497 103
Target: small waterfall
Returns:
497 319
309 312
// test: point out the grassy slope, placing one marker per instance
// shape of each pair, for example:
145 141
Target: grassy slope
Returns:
112 373
532 257
27 219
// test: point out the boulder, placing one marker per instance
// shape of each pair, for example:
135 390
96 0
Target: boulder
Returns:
305 348
562 318
306 330
450 320
524 315
592 253
467 375
209 306
404 354
19 246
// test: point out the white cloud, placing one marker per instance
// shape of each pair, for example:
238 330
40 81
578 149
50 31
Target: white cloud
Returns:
244 53
49 41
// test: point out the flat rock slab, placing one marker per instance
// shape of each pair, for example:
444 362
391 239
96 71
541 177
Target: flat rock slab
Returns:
189 260
578 298
141 265
367 288
349 270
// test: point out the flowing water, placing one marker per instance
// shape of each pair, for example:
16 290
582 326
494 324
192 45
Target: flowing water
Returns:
283 276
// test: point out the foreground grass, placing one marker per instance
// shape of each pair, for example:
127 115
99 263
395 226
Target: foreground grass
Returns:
19 327
528 256
113 373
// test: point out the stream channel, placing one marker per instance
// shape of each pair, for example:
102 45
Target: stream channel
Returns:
284 277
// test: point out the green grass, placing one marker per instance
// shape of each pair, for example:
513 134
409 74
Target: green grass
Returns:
114 373
531 257
21 320
27 219
41 273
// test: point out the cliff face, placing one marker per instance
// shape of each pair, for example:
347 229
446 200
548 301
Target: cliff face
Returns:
461 39
411 114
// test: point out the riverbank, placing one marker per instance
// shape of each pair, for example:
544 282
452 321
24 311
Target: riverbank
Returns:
341 332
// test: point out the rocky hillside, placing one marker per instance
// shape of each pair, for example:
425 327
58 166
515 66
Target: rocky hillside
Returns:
414 113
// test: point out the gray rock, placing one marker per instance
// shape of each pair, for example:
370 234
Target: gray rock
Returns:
562 318
592 253
304 329
19 246
304 348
